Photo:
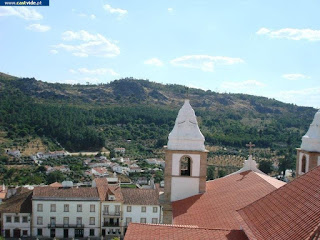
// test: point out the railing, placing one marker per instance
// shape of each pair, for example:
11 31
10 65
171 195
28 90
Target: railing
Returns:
111 213
65 225
107 224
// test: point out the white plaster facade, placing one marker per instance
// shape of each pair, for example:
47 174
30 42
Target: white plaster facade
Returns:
16 224
136 214
111 218
72 220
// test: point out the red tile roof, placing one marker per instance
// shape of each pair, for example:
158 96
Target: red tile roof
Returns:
19 203
157 231
291 212
55 184
217 207
104 189
85 193
135 196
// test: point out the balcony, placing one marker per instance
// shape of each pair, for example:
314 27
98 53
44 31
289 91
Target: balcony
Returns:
111 214
107 224
65 225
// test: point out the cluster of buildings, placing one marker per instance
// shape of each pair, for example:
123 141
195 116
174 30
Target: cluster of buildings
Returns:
246 204
65 211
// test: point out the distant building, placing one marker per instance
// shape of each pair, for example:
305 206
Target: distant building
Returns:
65 212
119 150
14 153
16 215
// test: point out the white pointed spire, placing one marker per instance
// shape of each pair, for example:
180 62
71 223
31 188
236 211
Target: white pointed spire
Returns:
186 134
311 141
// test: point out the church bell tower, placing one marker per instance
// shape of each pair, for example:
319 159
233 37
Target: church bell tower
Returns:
308 155
186 161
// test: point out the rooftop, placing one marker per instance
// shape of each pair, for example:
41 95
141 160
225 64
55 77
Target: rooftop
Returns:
291 212
135 196
159 231
19 203
217 207
84 193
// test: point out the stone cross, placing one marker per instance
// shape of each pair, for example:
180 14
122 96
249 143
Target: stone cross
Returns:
250 145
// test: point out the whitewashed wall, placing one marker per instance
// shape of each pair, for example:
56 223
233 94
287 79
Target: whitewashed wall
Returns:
60 214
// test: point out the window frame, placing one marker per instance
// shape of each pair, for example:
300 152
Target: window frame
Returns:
143 209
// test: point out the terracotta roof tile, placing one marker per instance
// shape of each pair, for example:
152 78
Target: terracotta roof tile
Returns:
135 196
177 232
291 212
55 184
19 203
85 193
217 207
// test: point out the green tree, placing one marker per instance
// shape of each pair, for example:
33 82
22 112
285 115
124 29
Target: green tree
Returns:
210 173
55 176
265 166
221 173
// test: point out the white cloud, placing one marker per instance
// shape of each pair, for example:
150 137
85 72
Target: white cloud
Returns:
154 61
304 97
53 51
295 76
291 33
204 62
22 12
120 12
248 86
92 16
88 45
170 10
38 27
97 71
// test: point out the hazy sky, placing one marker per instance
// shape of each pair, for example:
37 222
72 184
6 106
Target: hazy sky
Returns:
268 48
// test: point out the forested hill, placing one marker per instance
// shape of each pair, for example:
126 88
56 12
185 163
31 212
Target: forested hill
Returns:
88 117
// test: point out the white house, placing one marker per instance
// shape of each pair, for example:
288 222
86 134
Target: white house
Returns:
14 153
119 150
16 214
65 212
140 206
111 208
134 168
100 172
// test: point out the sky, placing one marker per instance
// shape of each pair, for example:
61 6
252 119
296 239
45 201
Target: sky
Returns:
265 48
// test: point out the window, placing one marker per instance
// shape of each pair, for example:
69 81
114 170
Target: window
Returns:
65 221
106 209
128 208
143 220
53 221
185 166
92 220
16 219
39 207
24 219
39 220
91 232
117 208
66 207
52 208
52 233
79 208
143 209
155 209
79 220
8 219
154 220
128 220
39 232
303 164
92 208
25 232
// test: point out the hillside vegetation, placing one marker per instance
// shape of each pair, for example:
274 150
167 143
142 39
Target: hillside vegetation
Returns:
89 117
